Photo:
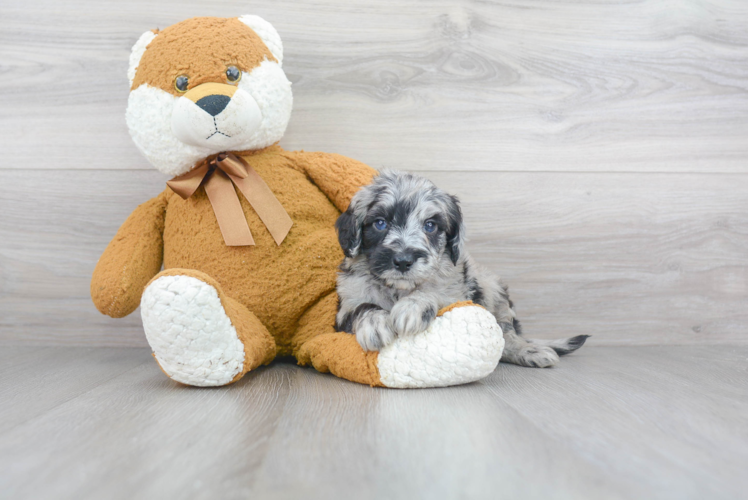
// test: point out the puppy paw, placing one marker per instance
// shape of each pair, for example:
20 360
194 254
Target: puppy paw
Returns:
410 316
536 356
373 330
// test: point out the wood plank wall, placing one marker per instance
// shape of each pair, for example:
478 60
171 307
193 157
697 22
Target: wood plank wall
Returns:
600 148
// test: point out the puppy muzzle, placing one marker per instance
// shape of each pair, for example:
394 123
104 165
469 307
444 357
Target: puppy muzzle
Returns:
403 261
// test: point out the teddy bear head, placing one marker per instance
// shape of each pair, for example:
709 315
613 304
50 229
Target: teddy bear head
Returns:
207 85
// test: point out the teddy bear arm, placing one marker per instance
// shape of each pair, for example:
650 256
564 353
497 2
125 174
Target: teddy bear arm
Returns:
339 177
131 259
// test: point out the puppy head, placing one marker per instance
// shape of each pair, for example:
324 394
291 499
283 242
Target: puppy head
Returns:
404 227
204 86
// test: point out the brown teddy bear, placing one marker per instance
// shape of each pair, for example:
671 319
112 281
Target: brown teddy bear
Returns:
245 230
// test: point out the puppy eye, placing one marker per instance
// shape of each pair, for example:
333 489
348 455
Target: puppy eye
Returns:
233 74
429 226
181 83
380 224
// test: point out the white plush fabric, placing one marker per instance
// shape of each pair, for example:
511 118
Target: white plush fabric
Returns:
463 345
225 131
271 90
267 33
148 116
190 334
137 53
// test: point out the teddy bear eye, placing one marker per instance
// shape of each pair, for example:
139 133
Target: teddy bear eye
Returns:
181 83
233 74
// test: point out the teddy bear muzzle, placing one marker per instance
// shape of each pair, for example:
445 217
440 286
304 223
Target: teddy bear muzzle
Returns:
215 116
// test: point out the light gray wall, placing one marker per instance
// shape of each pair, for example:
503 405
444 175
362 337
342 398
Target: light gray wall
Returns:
600 148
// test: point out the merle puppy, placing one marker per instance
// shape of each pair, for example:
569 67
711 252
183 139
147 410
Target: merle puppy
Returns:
405 259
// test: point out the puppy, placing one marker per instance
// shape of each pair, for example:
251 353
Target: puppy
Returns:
405 259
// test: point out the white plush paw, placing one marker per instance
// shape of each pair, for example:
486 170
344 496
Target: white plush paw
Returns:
463 345
190 334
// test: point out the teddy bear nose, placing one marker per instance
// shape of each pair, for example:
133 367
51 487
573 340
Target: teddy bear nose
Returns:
213 104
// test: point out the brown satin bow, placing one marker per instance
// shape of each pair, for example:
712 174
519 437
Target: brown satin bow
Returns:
217 176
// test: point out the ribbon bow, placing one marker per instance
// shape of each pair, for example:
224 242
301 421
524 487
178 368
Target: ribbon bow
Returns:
217 176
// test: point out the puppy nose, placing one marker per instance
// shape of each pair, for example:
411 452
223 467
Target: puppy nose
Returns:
403 261
213 104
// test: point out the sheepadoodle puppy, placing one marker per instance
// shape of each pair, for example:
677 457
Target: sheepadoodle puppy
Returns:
405 259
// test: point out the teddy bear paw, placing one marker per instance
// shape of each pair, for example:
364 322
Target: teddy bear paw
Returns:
461 346
191 336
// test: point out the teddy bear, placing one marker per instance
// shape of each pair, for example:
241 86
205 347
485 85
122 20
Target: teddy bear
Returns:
234 263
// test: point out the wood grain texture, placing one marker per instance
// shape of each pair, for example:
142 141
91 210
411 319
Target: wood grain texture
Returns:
600 148
627 258
442 85
616 422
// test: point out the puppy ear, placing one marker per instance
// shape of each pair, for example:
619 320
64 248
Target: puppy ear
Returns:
349 232
456 231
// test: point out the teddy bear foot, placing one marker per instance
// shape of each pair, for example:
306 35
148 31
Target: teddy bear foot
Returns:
462 345
190 333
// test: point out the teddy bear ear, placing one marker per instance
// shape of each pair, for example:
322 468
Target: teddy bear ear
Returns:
137 52
267 33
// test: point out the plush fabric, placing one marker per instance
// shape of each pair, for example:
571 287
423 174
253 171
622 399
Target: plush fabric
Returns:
464 344
276 283
216 312
191 47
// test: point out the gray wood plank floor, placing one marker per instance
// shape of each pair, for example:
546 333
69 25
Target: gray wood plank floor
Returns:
608 422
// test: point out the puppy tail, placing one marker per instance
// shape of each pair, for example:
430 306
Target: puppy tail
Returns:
563 346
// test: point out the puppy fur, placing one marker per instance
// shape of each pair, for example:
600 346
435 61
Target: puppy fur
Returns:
405 258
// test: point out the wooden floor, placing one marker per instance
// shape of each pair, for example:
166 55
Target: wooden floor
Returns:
608 422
